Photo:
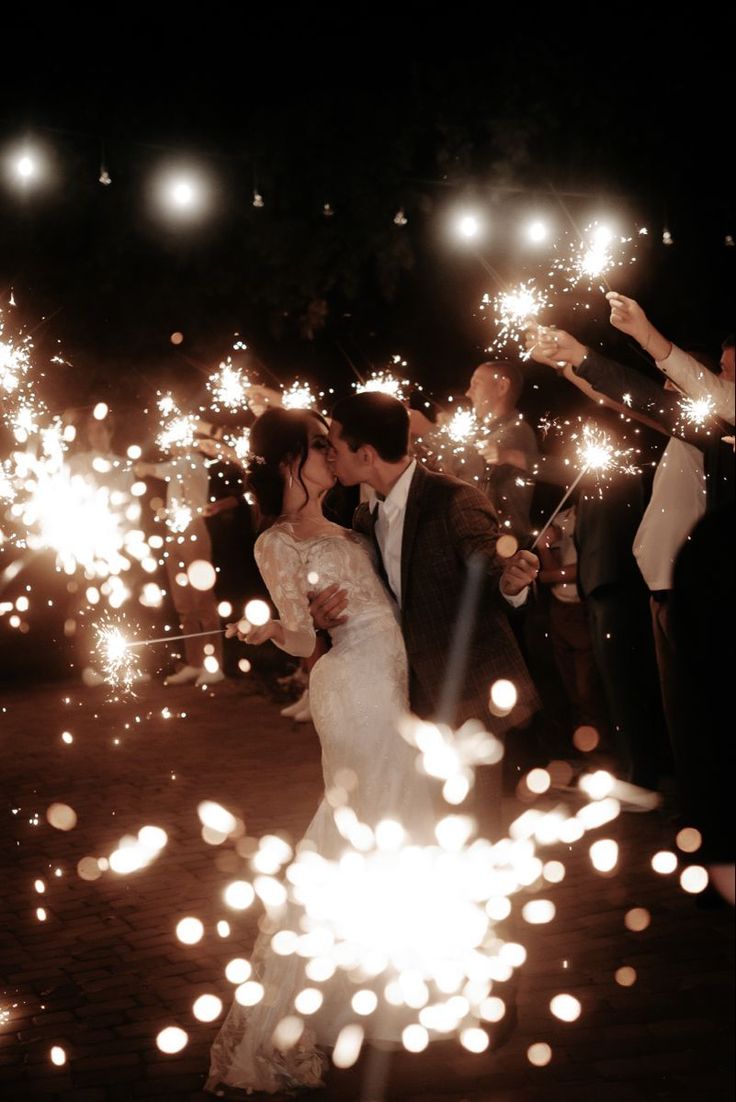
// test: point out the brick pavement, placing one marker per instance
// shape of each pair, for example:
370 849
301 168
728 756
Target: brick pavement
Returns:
105 971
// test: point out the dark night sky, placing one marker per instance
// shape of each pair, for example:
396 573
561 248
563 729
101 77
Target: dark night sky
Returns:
370 117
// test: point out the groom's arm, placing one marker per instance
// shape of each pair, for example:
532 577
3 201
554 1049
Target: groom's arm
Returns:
474 530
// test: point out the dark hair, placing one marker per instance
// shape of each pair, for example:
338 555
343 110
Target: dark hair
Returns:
377 419
729 342
511 372
278 436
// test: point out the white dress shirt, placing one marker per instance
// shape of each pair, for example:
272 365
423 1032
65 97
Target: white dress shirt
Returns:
390 528
675 507
390 533
698 382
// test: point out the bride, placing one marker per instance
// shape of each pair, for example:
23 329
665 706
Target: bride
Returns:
358 691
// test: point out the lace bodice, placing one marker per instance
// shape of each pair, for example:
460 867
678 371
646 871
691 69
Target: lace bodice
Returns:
294 568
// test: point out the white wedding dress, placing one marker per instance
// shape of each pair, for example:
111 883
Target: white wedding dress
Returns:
358 691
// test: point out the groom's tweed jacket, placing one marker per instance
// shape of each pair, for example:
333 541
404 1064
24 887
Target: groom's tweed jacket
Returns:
447 521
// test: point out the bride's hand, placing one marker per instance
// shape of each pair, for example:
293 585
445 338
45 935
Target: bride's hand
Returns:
327 607
254 636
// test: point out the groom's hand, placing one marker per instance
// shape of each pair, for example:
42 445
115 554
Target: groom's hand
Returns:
327 607
520 571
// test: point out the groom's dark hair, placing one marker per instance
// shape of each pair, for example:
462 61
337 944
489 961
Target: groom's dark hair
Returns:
377 419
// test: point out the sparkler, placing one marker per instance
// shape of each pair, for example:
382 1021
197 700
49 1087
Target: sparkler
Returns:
596 452
515 311
696 411
386 383
298 396
595 253
178 429
409 926
120 667
229 388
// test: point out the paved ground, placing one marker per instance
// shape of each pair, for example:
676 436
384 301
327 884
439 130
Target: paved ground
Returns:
105 972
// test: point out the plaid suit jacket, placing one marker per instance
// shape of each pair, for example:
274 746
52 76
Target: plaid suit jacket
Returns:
447 521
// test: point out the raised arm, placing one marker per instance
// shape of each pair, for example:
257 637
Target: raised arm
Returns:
474 530
693 379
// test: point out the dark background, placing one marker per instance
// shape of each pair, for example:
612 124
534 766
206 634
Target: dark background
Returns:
567 116
546 115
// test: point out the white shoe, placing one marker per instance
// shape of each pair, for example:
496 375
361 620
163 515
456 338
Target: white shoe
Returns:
206 678
91 678
300 705
185 676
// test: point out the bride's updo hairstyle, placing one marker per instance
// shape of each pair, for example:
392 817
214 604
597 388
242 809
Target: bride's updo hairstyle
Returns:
278 438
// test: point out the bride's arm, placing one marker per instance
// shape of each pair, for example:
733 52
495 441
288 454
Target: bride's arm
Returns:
283 572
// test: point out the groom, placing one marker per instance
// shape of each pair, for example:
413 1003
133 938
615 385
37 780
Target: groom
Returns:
425 527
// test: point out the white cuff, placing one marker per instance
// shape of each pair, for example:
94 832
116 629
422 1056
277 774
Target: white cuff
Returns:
516 600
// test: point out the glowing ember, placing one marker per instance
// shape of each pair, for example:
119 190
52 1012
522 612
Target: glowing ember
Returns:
462 426
61 816
189 931
689 840
249 993
592 257
201 575
694 879
664 862
503 697
297 396
238 970
539 1054
229 388
538 912
697 411
257 613
637 919
207 1008
115 658
386 383
514 312
604 855
239 895
171 1040
348 1046
565 1007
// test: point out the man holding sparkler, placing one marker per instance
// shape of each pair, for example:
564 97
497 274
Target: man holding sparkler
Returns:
509 446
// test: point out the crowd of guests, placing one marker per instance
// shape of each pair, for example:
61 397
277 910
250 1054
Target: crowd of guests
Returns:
620 633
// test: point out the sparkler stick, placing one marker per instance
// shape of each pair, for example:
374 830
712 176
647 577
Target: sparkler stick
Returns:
172 638
550 519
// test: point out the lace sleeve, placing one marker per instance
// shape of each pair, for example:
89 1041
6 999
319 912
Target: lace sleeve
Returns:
284 573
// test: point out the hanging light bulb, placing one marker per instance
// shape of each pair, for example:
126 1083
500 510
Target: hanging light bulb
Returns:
728 241
105 177
400 217
327 210
257 198
667 238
